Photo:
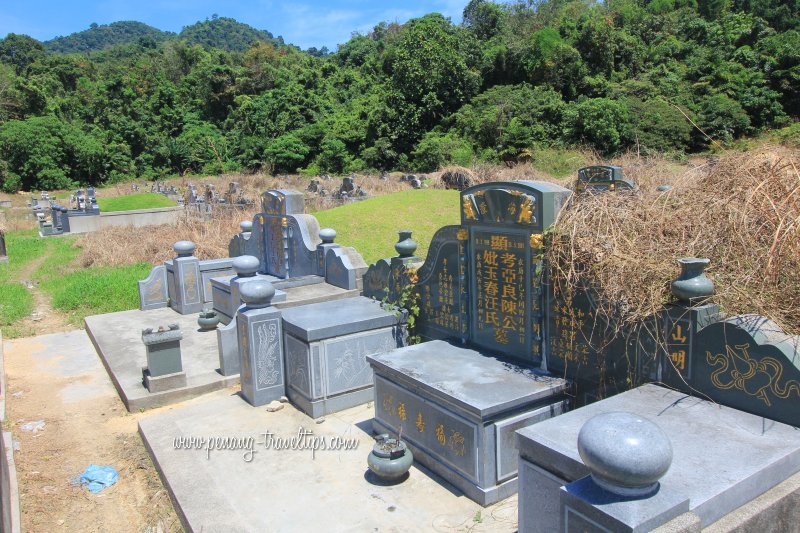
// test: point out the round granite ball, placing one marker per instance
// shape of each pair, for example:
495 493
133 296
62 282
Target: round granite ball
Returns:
246 266
184 248
257 293
327 235
246 226
626 454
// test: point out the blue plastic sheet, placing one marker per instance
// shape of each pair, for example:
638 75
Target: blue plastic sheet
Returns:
97 478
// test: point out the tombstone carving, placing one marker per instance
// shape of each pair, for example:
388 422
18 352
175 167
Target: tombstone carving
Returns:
481 312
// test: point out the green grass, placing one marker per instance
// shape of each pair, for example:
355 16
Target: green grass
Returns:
22 247
95 291
557 162
16 302
134 201
371 226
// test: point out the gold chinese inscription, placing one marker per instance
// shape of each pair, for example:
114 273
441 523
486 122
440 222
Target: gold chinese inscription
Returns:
469 211
678 340
420 423
500 288
758 377
441 437
568 341
440 304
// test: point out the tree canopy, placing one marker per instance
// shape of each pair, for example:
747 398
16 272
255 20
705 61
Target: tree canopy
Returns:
664 76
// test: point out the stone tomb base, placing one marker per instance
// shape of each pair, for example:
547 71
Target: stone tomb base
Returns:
326 346
458 410
722 459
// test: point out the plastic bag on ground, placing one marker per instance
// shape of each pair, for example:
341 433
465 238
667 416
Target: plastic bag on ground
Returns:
97 478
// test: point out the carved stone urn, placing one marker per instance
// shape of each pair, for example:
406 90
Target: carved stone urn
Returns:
692 284
390 458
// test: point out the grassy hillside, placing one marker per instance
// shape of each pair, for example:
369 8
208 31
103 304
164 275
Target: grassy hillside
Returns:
132 202
371 226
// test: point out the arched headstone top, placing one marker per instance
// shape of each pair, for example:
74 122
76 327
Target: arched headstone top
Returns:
281 202
526 204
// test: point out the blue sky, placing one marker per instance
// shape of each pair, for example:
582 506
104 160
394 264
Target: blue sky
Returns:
304 23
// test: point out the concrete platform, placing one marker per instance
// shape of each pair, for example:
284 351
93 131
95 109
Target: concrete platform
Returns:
117 339
297 489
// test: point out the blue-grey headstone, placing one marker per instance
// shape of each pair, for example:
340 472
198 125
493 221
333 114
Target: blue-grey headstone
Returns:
153 290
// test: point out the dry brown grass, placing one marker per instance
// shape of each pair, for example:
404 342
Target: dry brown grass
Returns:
153 244
742 211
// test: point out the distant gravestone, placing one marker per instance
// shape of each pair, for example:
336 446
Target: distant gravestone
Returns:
3 252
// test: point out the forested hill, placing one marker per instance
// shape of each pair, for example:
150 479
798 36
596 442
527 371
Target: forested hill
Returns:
98 37
226 34
657 76
218 32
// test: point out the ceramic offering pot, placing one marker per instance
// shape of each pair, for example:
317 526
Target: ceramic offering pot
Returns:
390 458
208 320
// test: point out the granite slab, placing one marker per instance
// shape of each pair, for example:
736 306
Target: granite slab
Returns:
723 458
476 383
337 318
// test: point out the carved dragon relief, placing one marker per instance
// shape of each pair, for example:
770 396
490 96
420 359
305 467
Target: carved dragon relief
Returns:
737 369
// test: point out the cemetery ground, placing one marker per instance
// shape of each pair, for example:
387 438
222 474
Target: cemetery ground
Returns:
50 285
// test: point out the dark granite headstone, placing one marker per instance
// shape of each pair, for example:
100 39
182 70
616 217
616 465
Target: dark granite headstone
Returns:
3 253
745 362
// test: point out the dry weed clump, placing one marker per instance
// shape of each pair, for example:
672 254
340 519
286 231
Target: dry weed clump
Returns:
153 244
742 211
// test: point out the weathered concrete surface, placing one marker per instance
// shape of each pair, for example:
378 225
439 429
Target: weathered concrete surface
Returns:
298 490
135 218
311 294
117 337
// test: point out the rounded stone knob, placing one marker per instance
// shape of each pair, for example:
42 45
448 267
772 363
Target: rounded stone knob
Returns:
257 293
327 235
184 248
246 266
63 209
626 454
246 226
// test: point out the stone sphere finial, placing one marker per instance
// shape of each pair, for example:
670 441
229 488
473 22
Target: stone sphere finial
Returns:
246 226
327 235
184 248
257 293
246 266
626 454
